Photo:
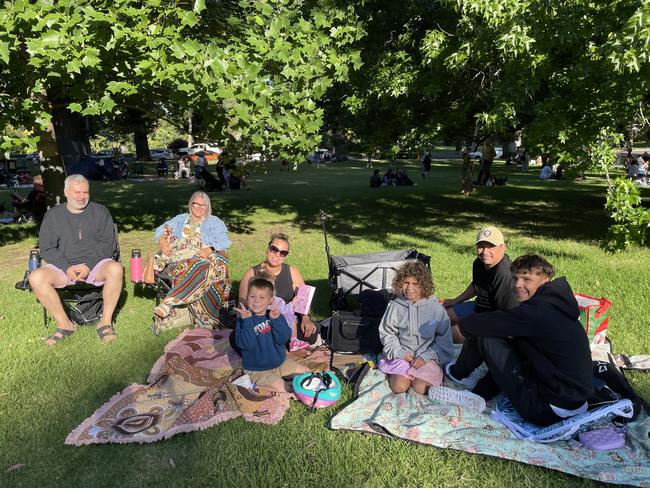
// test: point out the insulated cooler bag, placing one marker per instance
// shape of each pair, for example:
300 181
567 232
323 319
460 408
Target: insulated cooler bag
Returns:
351 333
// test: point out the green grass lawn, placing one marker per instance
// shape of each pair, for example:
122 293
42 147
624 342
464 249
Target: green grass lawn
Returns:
45 393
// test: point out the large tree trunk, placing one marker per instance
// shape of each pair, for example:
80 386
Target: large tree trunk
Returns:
52 167
190 136
71 134
140 133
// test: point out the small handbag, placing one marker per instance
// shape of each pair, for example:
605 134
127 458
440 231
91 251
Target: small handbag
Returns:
148 276
603 439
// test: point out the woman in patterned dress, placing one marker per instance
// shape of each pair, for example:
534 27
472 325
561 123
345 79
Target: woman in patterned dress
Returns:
193 253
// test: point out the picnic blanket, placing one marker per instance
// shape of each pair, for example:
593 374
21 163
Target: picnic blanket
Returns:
413 417
189 388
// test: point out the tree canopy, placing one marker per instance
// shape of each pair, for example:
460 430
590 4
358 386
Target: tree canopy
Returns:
258 66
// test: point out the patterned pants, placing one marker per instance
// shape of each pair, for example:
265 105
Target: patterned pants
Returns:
203 286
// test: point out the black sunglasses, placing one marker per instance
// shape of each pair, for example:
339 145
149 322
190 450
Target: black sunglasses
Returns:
282 252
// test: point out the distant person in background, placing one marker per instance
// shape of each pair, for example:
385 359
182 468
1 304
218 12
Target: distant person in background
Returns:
162 168
35 202
402 179
375 179
201 164
426 165
183 169
546 172
389 178
489 154
633 169
466 186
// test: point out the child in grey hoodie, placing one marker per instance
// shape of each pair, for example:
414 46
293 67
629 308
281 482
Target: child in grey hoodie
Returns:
415 332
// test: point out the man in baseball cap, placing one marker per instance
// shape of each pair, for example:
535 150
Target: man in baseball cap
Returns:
491 281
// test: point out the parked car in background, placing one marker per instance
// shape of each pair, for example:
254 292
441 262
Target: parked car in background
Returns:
479 154
105 153
196 148
209 156
158 154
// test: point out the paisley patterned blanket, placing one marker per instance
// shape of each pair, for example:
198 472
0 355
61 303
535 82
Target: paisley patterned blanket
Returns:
189 388
413 417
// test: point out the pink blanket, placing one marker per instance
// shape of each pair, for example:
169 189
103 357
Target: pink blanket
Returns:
189 388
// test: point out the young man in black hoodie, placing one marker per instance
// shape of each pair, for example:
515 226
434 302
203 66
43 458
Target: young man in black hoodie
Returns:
537 354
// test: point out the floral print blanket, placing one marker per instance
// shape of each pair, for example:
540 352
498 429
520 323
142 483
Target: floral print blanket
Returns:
413 417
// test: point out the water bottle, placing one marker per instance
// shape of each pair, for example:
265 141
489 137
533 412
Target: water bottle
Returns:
34 260
136 266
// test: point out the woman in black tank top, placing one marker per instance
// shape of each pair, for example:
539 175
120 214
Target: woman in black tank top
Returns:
287 280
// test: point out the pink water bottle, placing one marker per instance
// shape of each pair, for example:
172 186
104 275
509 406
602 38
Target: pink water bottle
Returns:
136 266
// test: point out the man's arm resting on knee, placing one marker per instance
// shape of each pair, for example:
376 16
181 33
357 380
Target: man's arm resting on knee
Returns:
463 297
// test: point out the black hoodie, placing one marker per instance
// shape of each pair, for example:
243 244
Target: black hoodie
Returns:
545 330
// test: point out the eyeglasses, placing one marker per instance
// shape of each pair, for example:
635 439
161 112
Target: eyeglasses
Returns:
282 252
200 205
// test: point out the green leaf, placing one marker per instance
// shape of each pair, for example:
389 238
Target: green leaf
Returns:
75 107
74 66
199 6
4 51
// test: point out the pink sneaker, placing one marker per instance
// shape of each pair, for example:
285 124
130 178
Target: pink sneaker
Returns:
296 344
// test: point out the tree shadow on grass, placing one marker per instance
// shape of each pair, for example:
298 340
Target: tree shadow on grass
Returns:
13 233
526 206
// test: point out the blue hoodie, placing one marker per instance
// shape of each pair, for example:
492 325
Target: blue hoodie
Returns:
262 341
422 328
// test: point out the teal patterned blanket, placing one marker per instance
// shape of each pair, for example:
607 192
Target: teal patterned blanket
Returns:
413 417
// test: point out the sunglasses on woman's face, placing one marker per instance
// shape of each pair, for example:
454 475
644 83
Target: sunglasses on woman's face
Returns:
199 205
282 252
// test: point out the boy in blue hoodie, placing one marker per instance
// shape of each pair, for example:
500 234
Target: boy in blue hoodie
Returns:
262 337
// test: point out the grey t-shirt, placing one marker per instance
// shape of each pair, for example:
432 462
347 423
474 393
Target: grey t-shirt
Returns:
67 239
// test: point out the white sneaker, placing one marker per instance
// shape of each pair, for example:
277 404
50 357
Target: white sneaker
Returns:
462 398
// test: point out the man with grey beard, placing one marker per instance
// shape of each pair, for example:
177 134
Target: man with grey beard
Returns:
77 241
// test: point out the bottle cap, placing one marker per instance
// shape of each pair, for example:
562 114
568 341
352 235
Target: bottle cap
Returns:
135 253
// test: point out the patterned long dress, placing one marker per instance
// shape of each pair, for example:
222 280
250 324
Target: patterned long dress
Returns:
202 286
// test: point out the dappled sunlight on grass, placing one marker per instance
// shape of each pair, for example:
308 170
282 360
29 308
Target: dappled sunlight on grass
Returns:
45 393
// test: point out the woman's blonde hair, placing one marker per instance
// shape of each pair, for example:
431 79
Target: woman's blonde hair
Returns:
420 272
205 198
279 236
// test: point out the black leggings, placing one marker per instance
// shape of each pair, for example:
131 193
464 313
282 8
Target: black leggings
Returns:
507 373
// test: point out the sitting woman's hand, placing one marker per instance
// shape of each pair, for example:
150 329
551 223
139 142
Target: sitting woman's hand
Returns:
307 326
165 246
204 252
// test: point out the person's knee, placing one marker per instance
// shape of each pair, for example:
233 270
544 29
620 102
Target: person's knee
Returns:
398 384
113 271
40 278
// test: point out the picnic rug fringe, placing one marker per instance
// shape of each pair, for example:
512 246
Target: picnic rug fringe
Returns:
412 417
189 388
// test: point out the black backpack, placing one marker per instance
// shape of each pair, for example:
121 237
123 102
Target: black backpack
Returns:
608 378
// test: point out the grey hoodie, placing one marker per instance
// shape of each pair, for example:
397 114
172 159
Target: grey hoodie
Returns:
422 328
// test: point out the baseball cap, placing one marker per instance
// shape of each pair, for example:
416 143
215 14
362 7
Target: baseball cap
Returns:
490 234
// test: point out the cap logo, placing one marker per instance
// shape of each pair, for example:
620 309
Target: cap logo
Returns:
486 233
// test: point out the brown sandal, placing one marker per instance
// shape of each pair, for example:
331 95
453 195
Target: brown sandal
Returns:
58 338
105 332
